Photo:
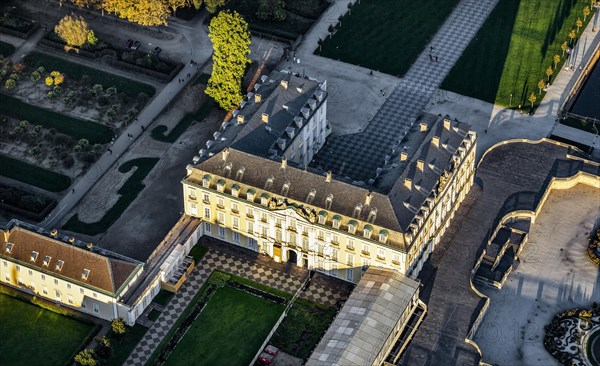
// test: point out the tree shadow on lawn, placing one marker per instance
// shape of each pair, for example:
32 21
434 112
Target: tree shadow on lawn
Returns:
478 72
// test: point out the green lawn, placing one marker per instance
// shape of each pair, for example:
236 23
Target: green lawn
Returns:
513 49
197 253
163 297
123 346
33 175
303 327
32 336
6 49
387 35
229 331
74 127
158 132
77 71
128 193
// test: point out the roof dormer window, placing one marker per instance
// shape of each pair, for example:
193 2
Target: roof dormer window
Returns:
34 256
59 265
85 274
47 260
206 181
9 247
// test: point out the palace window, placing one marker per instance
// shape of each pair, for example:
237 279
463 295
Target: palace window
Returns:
235 222
96 308
235 207
322 217
59 265
334 270
365 248
365 264
250 227
250 195
207 227
47 260
236 238
34 256
381 253
350 260
367 231
30 272
221 232
235 190
336 221
396 258
350 274
335 239
249 212
220 202
220 185
383 235
206 181
207 213
350 244
206 198
221 217
352 225
192 193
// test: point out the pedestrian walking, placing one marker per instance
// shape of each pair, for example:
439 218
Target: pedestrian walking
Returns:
431 48
73 191
436 59
371 73
430 57
110 151
142 127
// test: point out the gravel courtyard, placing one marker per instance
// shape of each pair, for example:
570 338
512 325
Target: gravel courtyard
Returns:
555 274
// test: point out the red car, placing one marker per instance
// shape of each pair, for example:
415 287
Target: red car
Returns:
268 354
265 358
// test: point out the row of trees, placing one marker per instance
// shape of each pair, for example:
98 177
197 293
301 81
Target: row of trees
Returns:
147 12
565 47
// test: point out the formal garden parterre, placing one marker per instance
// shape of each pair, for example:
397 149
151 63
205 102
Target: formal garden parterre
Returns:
519 51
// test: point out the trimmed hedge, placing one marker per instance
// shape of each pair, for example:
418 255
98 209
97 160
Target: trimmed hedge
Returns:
128 193
33 175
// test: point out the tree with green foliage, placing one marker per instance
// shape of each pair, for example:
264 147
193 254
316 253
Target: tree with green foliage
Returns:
118 327
73 30
549 72
35 76
579 24
271 10
572 36
556 60
228 32
10 84
212 5
86 357
532 99
541 85
91 38
586 11
564 47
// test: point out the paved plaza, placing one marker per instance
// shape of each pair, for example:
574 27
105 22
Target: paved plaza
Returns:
510 177
359 155
240 265
558 239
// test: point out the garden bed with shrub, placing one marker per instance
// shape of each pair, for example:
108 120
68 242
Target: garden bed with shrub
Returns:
25 203
299 17
6 49
17 26
33 175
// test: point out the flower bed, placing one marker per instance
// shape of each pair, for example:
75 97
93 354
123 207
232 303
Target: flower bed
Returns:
564 336
17 26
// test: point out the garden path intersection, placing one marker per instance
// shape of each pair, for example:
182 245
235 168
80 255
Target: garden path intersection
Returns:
216 260
359 155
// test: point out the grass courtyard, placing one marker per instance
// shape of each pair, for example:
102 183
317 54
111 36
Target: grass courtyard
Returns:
508 57
32 336
386 35
229 331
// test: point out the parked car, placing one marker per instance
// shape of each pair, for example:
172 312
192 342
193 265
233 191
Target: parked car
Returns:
136 45
265 358
156 51
127 43
272 350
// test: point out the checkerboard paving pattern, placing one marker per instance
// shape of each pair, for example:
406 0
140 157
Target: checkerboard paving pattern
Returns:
358 156
216 260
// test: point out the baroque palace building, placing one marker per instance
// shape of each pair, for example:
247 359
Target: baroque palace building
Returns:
255 189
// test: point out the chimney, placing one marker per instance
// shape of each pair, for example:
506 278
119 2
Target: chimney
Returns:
257 98
423 126
265 117
240 119
284 84
283 163
300 88
420 164
447 123
435 141
328 177
403 156
408 183
368 199
225 153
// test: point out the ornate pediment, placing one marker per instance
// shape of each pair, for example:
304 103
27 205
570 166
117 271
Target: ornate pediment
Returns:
306 213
